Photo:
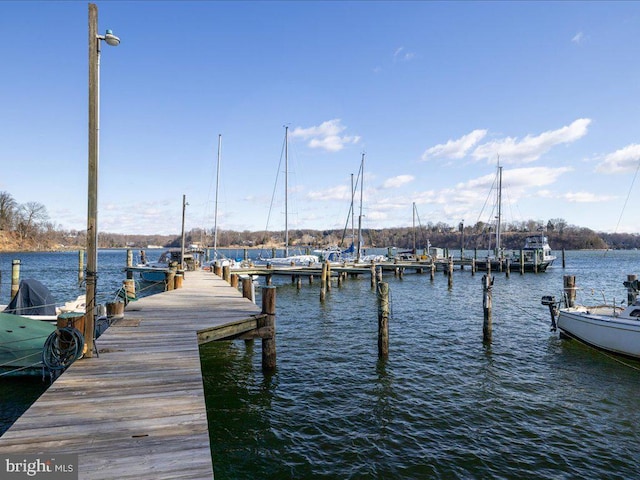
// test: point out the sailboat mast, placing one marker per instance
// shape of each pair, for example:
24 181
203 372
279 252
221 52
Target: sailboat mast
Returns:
353 228
215 215
286 191
360 216
499 225
414 228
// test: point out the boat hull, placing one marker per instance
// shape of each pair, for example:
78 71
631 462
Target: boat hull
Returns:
613 334
21 343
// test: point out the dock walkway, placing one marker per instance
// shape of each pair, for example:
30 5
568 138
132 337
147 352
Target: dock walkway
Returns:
137 411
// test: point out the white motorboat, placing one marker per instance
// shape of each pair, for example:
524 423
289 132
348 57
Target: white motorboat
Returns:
614 328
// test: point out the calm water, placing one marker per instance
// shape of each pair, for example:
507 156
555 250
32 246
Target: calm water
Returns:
442 406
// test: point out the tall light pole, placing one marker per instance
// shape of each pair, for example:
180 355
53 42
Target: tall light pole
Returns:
184 207
92 205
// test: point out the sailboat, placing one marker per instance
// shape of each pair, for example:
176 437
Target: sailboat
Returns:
288 260
536 252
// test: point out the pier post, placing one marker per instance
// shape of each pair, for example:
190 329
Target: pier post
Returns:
269 342
328 274
323 282
508 267
569 290
373 276
80 266
521 262
273 253
383 320
129 258
487 327
563 263
129 285
298 282
632 289
246 255
217 268
310 279
450 273
170 279
234 280
247 289
226 273
473 267
15 277
432 275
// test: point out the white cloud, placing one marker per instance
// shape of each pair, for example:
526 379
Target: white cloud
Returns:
326 136
398 181
455 148
341 192
586 197
530 148
401 55
621 161
578 38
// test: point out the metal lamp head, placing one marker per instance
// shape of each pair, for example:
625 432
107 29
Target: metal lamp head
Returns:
111 39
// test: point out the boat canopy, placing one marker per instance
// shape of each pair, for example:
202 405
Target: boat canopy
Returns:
33 298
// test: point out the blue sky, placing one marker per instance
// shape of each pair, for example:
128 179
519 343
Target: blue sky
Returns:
432 92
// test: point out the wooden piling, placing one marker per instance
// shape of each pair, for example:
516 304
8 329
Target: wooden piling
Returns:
373 276
487 327
323 282
563 263
80 266
129 258
178 279
234 280
298 282
383 320
226 273
632 290
473 267
169 283
15 277
269 342
328 275
508 267
569 282
433 271
521 262
247 289
217 268
450 273
129 286
379 274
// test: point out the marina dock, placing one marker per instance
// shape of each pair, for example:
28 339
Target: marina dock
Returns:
137 409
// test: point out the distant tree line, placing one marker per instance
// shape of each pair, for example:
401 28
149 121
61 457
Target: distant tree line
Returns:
29 227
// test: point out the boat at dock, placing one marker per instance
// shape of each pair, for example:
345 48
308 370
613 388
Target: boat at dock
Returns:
613 328
22 340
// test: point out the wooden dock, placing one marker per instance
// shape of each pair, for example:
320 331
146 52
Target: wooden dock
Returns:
137 410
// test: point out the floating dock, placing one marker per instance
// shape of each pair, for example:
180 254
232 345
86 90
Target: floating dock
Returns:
137 410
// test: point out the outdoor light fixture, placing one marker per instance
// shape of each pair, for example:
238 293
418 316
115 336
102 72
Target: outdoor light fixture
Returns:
110 38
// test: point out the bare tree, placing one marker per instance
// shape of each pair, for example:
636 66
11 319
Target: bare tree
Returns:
30 217
8 208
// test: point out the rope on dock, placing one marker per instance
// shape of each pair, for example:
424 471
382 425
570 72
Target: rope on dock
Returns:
61 349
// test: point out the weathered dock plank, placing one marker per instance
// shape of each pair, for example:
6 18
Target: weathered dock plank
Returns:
137 410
